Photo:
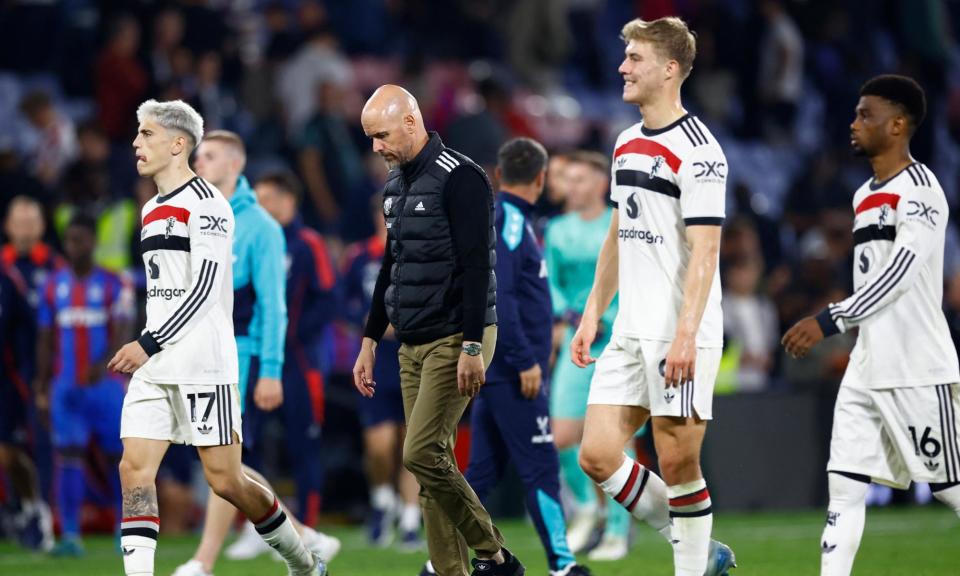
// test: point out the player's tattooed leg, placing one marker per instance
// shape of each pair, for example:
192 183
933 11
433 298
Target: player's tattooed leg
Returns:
140 501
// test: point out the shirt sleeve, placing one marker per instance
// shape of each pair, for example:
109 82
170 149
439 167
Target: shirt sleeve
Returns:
211 232
510 336
703 187
377 320
921 217
269 283
468 199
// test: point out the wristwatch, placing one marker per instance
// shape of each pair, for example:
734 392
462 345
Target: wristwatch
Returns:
471 349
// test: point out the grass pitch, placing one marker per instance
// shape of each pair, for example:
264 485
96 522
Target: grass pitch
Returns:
907 541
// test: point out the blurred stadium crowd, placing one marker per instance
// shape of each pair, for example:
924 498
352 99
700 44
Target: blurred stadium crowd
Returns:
776 81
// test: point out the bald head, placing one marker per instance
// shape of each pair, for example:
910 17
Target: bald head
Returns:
392 120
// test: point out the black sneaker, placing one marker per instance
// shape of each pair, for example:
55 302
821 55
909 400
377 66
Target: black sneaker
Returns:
510 567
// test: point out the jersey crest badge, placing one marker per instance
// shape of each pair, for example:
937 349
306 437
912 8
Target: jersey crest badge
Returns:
169 229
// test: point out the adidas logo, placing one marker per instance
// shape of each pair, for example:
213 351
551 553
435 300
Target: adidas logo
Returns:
128 551
204 428
669 395
419 207
931 465
827 548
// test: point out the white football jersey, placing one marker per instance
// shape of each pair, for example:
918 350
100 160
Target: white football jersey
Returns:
899 233
663 181
187 241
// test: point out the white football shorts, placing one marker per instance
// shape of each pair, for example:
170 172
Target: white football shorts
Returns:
896 435
198 414
630 373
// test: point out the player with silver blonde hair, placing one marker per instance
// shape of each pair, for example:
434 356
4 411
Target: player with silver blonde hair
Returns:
174 115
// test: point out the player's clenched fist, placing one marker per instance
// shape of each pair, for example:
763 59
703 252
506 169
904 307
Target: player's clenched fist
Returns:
128 359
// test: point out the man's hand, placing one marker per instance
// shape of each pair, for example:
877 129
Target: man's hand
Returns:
470 374
803 336
530 381
268 394
363 368
581 343
128 359
681 361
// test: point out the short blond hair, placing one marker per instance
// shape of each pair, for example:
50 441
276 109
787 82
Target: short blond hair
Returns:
670 36
229 138
591 158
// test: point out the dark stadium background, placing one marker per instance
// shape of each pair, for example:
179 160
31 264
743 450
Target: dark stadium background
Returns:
775 81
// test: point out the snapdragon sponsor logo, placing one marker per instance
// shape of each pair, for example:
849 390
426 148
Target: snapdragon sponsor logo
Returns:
640 235
165 293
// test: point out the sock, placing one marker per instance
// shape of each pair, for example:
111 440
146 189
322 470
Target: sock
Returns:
138 541
383 497
949 494
70 495
692 518
618 517
278 532
410 518
580 485
844 527
642 493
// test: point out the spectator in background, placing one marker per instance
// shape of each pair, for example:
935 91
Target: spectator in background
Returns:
381 416
750 321
319 61
480 130
25 249
214 101
55 145
311 307
33 522
34 260
89 187
121 81
331 164
553 200
780 78
168 27
85 314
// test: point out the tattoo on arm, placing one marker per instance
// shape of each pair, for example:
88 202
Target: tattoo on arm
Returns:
140 501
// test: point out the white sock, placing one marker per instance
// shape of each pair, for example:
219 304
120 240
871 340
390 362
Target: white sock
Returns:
278 532
691 514
641 492
383 497
949 496
844 527
138 542
410 518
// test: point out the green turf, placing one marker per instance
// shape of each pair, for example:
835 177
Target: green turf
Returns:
914 542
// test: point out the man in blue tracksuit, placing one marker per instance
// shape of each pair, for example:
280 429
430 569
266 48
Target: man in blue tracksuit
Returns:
312 304
511 416
260 328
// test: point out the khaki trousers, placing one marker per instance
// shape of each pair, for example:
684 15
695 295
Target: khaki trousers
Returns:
453 517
